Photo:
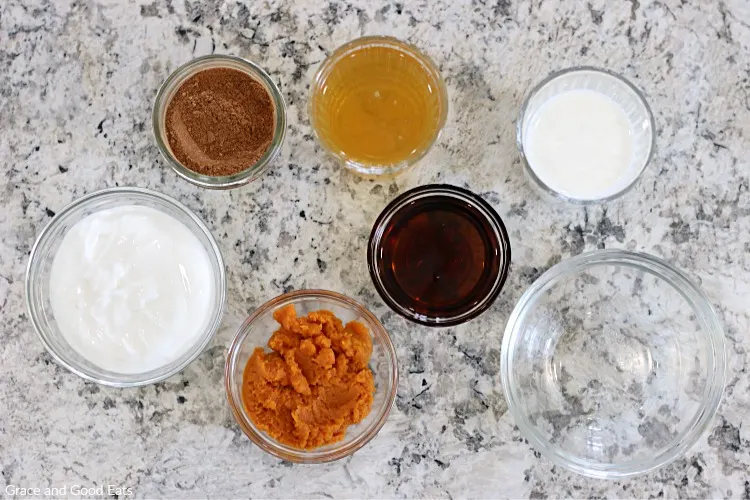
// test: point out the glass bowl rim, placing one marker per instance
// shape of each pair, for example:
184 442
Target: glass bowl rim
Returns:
520 132
712 330
268 444
79 204
364 169
176 78
399 203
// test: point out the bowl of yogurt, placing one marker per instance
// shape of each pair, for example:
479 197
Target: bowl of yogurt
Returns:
585 134
125 287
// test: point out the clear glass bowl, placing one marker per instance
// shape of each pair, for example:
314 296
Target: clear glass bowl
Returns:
172 85
319 116
256 331
613 363
440 197
38 279
615 87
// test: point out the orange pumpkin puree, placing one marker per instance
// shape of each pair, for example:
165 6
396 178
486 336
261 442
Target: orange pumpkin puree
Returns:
314 383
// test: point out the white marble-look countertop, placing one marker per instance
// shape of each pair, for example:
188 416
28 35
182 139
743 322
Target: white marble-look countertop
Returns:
77 81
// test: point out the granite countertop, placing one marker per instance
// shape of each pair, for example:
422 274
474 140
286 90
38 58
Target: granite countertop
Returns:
77 83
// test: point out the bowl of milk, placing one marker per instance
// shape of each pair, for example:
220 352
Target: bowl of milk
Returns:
585 134
125 287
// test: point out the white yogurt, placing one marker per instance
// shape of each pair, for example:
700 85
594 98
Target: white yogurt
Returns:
580 144
131 288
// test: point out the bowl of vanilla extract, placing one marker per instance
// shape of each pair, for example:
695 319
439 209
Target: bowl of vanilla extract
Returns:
439 255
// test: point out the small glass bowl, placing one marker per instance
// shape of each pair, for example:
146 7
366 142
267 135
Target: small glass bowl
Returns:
38 279
173 84
424 199
613 363
258 328
616 88
318 88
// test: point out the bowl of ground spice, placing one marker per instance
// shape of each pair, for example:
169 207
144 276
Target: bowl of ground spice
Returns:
219 121
311 376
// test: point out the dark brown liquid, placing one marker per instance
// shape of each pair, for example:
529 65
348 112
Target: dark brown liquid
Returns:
440 256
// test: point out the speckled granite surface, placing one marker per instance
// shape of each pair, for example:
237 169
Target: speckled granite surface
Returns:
77 81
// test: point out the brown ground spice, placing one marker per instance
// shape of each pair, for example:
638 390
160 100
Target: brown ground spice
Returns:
220 122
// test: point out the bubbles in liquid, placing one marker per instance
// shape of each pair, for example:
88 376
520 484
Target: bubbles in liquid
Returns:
377 106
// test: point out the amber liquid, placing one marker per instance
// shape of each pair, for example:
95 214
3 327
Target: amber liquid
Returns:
439 257
378 105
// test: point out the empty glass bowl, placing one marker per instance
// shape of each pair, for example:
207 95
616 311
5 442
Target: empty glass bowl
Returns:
256 331
613 363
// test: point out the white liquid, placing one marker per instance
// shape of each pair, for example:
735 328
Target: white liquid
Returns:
580 144
131 288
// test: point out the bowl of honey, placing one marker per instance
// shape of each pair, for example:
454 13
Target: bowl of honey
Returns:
378 105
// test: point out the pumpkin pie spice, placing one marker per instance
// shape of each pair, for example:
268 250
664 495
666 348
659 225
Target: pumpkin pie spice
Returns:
220 122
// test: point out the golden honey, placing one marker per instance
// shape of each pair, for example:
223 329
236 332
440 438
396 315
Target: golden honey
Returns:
378 104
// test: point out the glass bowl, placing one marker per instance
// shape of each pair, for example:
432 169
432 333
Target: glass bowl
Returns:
612 86
38 279
613 363
256 331
403 214
320 114
172 85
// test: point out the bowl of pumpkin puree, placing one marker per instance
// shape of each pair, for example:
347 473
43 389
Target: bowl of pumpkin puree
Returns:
311 376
